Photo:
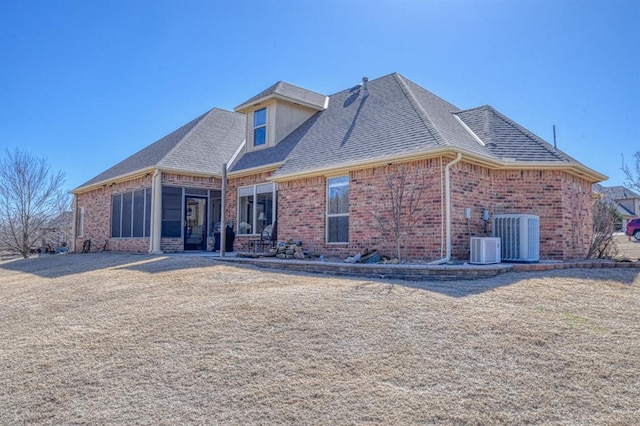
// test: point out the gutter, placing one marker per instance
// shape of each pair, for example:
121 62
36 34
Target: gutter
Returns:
447 195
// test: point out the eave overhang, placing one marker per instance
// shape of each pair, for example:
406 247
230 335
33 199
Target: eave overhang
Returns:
573 168
141 173
255 170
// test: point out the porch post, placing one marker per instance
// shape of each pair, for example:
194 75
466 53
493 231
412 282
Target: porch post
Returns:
156 213
223 220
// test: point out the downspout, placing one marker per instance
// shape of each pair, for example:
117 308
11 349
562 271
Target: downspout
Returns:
156 213
447 195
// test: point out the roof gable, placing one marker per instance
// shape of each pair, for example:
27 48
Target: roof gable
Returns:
200 146
288 92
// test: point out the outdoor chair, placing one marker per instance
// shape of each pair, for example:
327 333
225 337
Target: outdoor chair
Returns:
267 240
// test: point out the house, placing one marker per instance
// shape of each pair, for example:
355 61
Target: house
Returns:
626 201
58 231
316 165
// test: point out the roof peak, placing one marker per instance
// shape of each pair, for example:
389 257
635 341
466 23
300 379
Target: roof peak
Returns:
290 92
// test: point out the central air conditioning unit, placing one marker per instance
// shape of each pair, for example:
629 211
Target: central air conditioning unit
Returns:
520 236
485 250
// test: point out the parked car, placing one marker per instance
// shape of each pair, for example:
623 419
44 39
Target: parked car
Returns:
633 228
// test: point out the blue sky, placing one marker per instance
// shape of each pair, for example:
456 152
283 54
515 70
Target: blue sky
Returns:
88 83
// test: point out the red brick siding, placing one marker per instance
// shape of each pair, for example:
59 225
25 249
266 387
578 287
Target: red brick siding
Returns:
562 202
191 181
302 214
370 198
301 209
97 217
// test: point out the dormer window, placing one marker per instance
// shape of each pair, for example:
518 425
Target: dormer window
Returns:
260 127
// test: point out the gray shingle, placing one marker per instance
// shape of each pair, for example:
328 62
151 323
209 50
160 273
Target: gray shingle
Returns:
616 192
200 146
397 117
354 128
505 138
289 91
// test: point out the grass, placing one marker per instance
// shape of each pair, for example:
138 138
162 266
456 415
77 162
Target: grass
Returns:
122 339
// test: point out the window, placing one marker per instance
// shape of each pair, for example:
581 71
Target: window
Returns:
245 210
256 208
127 214
131 214
171 212
80 222
338 210
138 213
260 127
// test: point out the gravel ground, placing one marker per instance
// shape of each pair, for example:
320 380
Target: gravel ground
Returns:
133 339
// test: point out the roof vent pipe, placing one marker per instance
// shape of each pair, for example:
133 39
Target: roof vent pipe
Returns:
365 89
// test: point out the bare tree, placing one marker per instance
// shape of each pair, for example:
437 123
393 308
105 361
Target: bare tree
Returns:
606 220
402 202
30 195
633 173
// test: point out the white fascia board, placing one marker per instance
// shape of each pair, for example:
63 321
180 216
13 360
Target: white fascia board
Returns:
493 163
115 179
235 154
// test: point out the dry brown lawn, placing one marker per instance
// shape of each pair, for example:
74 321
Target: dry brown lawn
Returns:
134 339
628 248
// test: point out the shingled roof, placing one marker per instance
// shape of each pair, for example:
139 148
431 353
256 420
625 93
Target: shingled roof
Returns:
394 118
397 117
288 92
200 146
506 139
616 192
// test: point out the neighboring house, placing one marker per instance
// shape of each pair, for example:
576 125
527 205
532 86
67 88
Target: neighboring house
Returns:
58 231
314 164
626 201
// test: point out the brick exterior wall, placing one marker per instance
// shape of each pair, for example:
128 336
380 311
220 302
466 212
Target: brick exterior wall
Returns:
562 201
97 216
302 213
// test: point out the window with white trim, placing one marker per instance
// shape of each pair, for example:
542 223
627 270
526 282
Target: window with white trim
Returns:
260 127
256 208
338 210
